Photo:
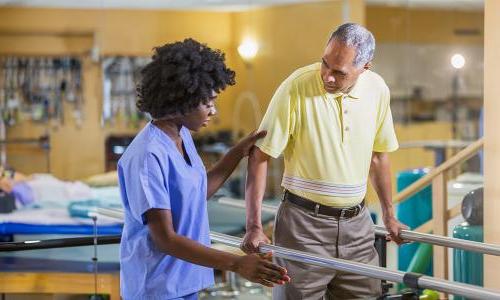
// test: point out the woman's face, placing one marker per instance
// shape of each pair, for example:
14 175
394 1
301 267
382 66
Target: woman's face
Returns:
200 116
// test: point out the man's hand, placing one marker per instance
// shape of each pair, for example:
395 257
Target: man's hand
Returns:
394 228
252 240
259 268
244 145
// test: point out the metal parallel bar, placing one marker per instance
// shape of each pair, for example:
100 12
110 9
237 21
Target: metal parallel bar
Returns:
109 212
336 264
408 235
441 285
444 241
58 243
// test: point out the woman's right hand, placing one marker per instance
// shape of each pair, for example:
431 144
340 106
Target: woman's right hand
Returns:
260 269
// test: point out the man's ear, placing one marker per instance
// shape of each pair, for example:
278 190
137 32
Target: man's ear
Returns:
368 65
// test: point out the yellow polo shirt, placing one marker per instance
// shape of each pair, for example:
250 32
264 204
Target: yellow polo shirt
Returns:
327 139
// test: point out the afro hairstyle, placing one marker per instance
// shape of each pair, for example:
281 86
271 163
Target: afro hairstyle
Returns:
180 76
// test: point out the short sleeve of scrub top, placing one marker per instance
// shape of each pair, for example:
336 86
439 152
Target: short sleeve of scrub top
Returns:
152 192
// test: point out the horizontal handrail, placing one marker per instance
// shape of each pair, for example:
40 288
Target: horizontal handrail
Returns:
444 241
418 280
422 281
408 235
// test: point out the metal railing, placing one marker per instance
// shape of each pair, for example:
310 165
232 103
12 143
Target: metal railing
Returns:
408 235
444 241
421 281
413 279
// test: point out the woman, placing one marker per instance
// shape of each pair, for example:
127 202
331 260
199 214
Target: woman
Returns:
165 251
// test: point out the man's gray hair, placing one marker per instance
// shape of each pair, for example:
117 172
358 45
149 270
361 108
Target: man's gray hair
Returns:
357 36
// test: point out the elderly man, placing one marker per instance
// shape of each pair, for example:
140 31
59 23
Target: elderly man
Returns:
332 122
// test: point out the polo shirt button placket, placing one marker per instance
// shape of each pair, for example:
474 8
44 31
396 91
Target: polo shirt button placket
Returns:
344 117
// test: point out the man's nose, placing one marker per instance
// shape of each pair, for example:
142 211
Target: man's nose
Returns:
330 79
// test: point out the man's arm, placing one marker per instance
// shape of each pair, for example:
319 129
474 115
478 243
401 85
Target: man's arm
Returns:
380 176
254 193
217 175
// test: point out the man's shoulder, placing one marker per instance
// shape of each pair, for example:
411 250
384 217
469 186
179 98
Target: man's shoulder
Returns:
304 74
374 80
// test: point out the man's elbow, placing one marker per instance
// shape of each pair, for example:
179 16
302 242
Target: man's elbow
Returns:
378 159
257 156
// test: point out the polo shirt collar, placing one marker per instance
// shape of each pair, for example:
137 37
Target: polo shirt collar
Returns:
355 92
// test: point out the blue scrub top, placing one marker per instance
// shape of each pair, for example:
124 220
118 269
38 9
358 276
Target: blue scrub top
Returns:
152 173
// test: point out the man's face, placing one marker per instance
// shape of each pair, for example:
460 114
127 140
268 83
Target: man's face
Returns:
338 71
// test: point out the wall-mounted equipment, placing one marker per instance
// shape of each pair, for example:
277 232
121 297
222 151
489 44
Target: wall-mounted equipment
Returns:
37 89
121 74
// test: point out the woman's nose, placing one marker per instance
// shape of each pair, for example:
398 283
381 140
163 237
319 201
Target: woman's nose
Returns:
213 111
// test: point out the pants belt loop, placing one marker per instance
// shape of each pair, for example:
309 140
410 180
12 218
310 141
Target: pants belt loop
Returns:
316 210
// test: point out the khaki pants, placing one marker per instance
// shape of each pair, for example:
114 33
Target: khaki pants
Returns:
351 239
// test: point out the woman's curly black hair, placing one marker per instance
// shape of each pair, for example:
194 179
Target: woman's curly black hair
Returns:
181 76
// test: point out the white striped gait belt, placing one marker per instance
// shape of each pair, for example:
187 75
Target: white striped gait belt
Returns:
324 188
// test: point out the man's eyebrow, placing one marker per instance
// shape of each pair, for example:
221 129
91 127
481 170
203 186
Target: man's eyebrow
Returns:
340 72
335 71
324 61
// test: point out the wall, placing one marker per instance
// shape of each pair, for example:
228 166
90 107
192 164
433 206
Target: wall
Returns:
492 141
79 152
427 66
429 26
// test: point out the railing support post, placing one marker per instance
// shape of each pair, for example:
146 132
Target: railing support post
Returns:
440 222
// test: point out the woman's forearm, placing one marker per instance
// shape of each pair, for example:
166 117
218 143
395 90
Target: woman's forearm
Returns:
217 175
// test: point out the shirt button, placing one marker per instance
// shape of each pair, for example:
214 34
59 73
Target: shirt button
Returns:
345 111
347 128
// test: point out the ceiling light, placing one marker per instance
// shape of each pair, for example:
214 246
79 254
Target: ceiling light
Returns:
457 61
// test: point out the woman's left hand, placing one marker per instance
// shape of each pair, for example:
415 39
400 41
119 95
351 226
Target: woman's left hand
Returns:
247 142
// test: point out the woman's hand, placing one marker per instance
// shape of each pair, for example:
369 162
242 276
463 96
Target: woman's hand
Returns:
259 268
244 145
